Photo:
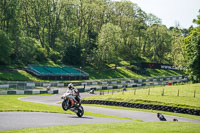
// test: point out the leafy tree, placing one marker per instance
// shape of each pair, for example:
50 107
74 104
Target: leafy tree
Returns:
192 48
197 21
72 55
131 19
177 54
29 51
80 32
5 48
159 43
109 43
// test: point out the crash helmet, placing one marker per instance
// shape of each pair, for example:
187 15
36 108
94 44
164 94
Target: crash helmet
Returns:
70 86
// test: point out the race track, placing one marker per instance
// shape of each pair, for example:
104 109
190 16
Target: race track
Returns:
19 120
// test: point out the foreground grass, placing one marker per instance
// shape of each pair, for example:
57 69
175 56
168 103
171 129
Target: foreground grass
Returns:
147 110
144 127
11 103
153 95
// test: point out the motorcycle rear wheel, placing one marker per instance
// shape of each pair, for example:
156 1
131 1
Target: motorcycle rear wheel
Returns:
80 111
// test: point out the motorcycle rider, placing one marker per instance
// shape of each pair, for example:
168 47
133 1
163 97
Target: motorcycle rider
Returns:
161 117
75 94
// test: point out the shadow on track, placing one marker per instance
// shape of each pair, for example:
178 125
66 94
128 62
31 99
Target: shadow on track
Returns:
80 117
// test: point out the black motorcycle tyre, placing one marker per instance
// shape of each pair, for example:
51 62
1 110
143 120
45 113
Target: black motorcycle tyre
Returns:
65 106
80 112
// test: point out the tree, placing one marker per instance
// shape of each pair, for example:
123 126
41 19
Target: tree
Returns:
159 43
192 48
177 53
109 43
29 51
197 21
131 19
5 48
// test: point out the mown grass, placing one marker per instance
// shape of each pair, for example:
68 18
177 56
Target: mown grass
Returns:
11 103
180 95
144 127
147 110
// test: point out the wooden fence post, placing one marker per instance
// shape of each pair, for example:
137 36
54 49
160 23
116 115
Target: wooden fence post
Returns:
163 92
178 93
149 91
135 92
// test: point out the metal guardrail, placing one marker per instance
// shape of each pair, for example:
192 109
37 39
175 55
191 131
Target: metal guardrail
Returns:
30 85
131 85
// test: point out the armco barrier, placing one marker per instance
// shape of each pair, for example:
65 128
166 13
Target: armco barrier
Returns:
28 92
127 81
21 84
131 85
145 106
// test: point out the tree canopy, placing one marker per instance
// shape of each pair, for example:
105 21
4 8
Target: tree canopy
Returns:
91 32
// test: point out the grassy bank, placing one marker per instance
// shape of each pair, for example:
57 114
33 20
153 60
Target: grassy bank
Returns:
143 127
177 96
121 72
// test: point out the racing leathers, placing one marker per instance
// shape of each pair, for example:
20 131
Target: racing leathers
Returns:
75 96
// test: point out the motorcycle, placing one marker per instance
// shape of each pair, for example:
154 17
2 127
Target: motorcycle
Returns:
66 104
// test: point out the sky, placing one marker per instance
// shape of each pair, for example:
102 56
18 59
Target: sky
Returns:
171 12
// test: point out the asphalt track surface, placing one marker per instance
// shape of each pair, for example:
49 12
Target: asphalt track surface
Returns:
19 120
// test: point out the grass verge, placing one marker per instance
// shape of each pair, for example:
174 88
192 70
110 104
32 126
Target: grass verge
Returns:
177 96
11 103
147 110
144 127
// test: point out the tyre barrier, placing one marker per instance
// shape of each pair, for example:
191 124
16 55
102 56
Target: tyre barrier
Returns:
145 106
153 79
128 86
28 92
22 84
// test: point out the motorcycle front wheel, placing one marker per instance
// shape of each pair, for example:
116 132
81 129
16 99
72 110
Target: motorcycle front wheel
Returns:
80 111
65 105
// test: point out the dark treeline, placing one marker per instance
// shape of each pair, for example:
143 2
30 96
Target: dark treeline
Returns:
87 32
